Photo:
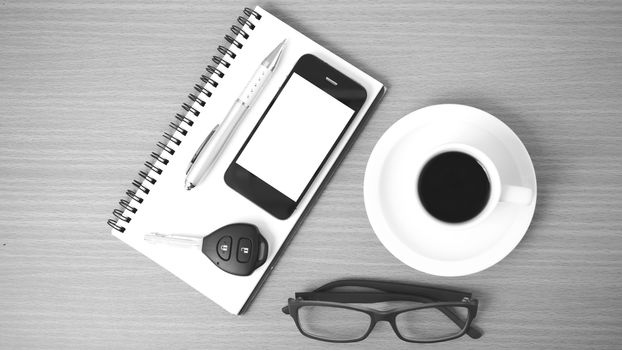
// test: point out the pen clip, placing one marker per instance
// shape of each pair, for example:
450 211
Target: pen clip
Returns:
196 154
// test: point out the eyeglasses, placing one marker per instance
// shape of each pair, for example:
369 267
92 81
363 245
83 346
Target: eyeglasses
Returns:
337 316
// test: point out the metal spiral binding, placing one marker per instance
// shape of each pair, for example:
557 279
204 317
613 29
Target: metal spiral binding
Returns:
213 70
220 60
189 108
225 51
132 195
239 31
147 178
231 40
180 127
183 119
197 99
208 80
202 90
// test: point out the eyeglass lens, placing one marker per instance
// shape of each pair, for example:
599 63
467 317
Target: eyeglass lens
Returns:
333 323
342 324
429 324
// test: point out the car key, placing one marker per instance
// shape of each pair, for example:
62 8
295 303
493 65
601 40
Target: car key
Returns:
238 249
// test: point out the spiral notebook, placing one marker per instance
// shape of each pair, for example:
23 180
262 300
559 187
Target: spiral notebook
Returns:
159 203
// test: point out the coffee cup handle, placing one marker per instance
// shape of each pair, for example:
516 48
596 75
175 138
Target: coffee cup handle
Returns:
516 194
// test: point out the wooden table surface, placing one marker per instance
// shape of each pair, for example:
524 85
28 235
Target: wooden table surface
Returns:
87 88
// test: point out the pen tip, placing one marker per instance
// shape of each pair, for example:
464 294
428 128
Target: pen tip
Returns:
189 186
281 46
273 58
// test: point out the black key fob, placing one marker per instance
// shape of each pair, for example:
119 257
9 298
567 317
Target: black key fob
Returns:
237 248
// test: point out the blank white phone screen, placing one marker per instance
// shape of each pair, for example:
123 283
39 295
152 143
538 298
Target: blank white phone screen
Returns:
295 136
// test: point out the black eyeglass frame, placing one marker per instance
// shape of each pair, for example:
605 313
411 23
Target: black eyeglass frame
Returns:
441 299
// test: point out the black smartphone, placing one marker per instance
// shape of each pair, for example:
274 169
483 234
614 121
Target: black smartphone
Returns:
295 136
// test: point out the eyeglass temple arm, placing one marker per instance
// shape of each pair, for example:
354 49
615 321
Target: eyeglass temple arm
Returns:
360 297
437 294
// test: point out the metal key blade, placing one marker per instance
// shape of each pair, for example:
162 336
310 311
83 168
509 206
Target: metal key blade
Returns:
174 239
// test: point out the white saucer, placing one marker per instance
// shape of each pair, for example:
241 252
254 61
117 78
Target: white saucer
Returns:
391 197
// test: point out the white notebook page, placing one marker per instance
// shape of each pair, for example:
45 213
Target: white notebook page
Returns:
169 208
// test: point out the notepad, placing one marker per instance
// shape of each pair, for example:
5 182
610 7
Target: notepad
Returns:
159 203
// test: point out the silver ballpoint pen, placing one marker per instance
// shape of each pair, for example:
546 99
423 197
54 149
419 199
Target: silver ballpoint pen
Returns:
214 143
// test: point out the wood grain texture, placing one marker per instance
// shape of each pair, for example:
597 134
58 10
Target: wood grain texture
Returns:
86 89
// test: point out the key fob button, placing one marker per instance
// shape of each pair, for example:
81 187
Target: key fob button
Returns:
237 249
244 250
224 248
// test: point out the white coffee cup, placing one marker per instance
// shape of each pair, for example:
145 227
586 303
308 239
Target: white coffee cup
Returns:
406 228
499 191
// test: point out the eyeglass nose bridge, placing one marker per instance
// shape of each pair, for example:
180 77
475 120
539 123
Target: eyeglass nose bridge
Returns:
387 316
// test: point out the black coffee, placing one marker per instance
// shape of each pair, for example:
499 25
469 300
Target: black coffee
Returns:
453 187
